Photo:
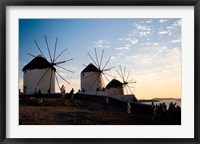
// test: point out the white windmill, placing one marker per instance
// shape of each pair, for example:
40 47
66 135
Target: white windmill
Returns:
40 73
122 90
92 75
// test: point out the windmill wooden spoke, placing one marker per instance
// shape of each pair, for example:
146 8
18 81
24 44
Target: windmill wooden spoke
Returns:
128 75
124 72
109 75
54 54
92 59
101 58
31 55
43 76
60 54
132 82
48 48
50 80
64 69
130 86
119 74
89 75
57 81
106 63
94 82
39 49
63 78
126 89
105 77
130 89
97 58
63 61
108 69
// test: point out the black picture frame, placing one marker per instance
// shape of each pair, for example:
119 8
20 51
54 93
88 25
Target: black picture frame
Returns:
5 3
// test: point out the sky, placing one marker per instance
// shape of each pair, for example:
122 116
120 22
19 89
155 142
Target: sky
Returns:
149 48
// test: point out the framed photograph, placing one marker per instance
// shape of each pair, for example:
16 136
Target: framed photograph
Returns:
99 72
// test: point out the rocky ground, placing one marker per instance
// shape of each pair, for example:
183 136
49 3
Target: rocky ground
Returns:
76 112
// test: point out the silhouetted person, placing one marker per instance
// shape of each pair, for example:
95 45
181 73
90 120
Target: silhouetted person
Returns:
72 93
62 89
128 107
106 103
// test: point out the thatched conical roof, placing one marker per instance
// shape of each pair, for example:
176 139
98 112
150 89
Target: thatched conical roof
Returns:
38 63
91 68
114 84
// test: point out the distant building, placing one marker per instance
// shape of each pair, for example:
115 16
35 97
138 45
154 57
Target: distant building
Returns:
38 73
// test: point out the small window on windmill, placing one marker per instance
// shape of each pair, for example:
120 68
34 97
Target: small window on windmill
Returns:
83 74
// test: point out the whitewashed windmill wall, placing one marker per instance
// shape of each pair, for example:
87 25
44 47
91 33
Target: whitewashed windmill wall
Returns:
91 79
115 87
34 71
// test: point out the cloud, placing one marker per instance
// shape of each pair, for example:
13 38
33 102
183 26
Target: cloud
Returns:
146 33
153 60
128 42
162 20
170 29
122 48
163 32
133 41
149 21
143 30
176 41
155 44
102 44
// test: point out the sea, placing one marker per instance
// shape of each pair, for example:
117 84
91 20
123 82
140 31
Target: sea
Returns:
167 102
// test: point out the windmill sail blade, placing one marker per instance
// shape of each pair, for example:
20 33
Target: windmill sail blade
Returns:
124 73
92 59
126 89
31 55
109 75
90 75
130 90
119 74
101 58
132 82
48 48
130 86
94 82
63 61
54 54
106 77
108 69
97 57
60 54
50 80
64 69
39 49
57 81
128 75
106 63
43 76
63 78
